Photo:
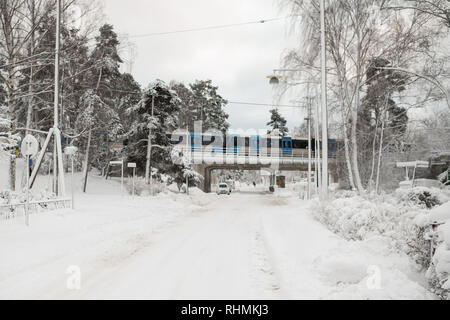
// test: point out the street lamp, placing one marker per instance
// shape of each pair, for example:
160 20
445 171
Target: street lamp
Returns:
309 148
274 80
324 102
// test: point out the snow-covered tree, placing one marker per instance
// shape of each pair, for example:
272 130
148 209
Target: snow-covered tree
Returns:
437 9
208 106
200 101
358 33
278 123
184 169
155 114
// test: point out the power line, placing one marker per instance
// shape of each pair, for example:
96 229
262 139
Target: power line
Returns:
223 26
265 104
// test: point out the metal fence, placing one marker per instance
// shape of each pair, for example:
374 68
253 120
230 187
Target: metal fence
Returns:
15 210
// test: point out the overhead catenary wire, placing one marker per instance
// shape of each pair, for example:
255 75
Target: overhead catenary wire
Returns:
88 39
223 26
265 104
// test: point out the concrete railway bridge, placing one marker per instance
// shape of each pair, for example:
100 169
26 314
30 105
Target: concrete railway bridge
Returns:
206 162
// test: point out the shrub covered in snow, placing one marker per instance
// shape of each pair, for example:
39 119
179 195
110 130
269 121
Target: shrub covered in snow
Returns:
444 177
423 196
8 141
439 271
394 215
404 218
142 188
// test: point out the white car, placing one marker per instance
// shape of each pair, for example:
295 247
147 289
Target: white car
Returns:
223 188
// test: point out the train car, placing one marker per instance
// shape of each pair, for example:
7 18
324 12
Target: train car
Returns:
245 145
300 146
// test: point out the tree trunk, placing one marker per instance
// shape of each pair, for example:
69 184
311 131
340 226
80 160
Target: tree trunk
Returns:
90 134
347 158
355 151
12 114
372 171
86 161
149 151
148 174
380 151
30 82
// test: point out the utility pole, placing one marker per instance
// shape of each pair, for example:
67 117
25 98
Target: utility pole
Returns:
58 174
324 103
150 146
309 147
317 176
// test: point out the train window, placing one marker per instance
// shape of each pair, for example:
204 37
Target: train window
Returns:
247 141
175 138
207 140
300 144
287 144
268 143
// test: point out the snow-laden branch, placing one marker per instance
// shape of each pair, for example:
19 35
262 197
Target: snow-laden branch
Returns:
434 81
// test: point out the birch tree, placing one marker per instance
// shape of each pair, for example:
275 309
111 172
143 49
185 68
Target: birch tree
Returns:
357 32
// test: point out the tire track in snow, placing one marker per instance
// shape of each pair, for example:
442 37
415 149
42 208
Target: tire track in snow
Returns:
265 277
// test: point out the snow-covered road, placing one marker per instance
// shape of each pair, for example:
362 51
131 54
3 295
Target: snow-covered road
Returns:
250 245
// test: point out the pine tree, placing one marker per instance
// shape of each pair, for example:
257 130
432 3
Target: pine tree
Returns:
379 117
104 77
185 116
208 106
278 123
166 104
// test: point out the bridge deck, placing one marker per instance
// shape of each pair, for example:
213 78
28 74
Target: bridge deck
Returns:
201 157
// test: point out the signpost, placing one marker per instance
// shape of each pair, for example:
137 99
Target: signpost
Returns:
119 162
29 148
412 164
132 165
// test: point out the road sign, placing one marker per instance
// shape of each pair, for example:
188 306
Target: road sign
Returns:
413 164
70 150
120 163
29 146
131 165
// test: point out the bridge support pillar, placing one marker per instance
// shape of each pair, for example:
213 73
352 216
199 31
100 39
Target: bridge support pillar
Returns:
205 171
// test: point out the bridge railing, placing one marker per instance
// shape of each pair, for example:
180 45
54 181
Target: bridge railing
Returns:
231 155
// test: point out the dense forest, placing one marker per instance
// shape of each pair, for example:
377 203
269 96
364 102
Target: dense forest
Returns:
100 106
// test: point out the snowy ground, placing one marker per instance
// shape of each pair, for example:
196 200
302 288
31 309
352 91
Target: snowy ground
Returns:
249 245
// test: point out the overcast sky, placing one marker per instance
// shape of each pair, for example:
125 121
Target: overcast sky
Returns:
236 59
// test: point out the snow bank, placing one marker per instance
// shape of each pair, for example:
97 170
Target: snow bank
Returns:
403 219
440 214
105 229
439 271
423 196
357 218
315 263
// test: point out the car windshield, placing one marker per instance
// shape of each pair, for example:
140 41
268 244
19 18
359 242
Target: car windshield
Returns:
223 185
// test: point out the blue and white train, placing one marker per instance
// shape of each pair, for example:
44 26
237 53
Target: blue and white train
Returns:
248 144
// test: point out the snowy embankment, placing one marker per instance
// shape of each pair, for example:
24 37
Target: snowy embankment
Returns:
439 271
313 262
105 228
400 222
